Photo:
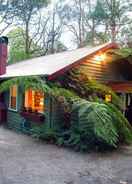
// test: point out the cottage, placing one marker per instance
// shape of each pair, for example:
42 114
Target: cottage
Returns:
95 62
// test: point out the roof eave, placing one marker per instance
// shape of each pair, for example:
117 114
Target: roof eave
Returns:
112 45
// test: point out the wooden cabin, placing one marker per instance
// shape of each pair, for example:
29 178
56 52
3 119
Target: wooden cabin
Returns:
95 62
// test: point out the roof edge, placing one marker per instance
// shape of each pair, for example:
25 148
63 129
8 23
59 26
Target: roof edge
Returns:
111 45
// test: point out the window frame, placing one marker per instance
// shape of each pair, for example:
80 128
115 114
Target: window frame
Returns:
9 107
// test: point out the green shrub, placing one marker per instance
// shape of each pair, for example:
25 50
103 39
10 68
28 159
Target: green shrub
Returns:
91 126
123 127
97 125
44 133
94 125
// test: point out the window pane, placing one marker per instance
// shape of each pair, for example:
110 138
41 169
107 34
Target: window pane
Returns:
34 100
13 97
28 99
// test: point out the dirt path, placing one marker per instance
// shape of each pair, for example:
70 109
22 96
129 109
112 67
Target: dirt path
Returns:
26 161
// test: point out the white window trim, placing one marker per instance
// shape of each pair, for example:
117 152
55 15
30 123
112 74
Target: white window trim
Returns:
9 108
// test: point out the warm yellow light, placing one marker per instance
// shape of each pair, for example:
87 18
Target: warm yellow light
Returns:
108 98
100 57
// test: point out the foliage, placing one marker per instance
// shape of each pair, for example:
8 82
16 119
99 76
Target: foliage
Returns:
44 132
35 83
122 53
96 22
96 125
99 13
88 22
25 12
103 89
28 5
17 46
93 124
123 127
6 19
100 37
85 87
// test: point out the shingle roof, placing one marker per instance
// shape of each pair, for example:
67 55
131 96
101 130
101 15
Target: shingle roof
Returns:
50 64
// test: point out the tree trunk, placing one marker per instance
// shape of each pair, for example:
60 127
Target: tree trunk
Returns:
27 38
113 33
93 33
53 34
80 25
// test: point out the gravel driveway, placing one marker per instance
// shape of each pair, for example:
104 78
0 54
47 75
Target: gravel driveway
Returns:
27 161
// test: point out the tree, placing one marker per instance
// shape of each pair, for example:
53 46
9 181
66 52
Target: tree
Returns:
72 16
25 12
95 22
116 11
6 17
84 18
94 19
126 35
52 29
109 16
17 46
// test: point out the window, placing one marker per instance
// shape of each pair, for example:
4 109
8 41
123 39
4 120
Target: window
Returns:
13 98
34 101
108 98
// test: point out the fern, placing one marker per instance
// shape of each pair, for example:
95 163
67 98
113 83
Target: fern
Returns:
123 127
33 82
95 120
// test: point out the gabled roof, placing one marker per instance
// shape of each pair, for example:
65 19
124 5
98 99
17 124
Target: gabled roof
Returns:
51 65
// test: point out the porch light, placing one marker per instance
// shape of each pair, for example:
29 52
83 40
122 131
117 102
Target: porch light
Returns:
100 57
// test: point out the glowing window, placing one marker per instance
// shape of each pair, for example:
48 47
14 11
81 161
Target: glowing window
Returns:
108 98
13 98
34 101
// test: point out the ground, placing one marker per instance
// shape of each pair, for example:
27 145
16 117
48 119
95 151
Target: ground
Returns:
24 160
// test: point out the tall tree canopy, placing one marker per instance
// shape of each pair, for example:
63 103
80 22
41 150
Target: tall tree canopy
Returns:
24 12
87 21
96 21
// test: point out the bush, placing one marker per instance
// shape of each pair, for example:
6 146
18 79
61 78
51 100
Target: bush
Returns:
97 125
123 127
44 133
94 125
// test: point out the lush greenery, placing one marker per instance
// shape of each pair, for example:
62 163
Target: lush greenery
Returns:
17 46
35 83
92 124
86 88
123 53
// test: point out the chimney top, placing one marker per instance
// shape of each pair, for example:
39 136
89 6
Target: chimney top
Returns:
4 39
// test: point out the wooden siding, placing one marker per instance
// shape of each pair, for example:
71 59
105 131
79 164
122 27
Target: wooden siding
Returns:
14 120
101 71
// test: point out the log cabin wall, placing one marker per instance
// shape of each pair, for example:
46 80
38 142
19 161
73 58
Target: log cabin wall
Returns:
102 71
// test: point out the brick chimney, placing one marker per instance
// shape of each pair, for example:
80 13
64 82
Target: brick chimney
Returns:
3 54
